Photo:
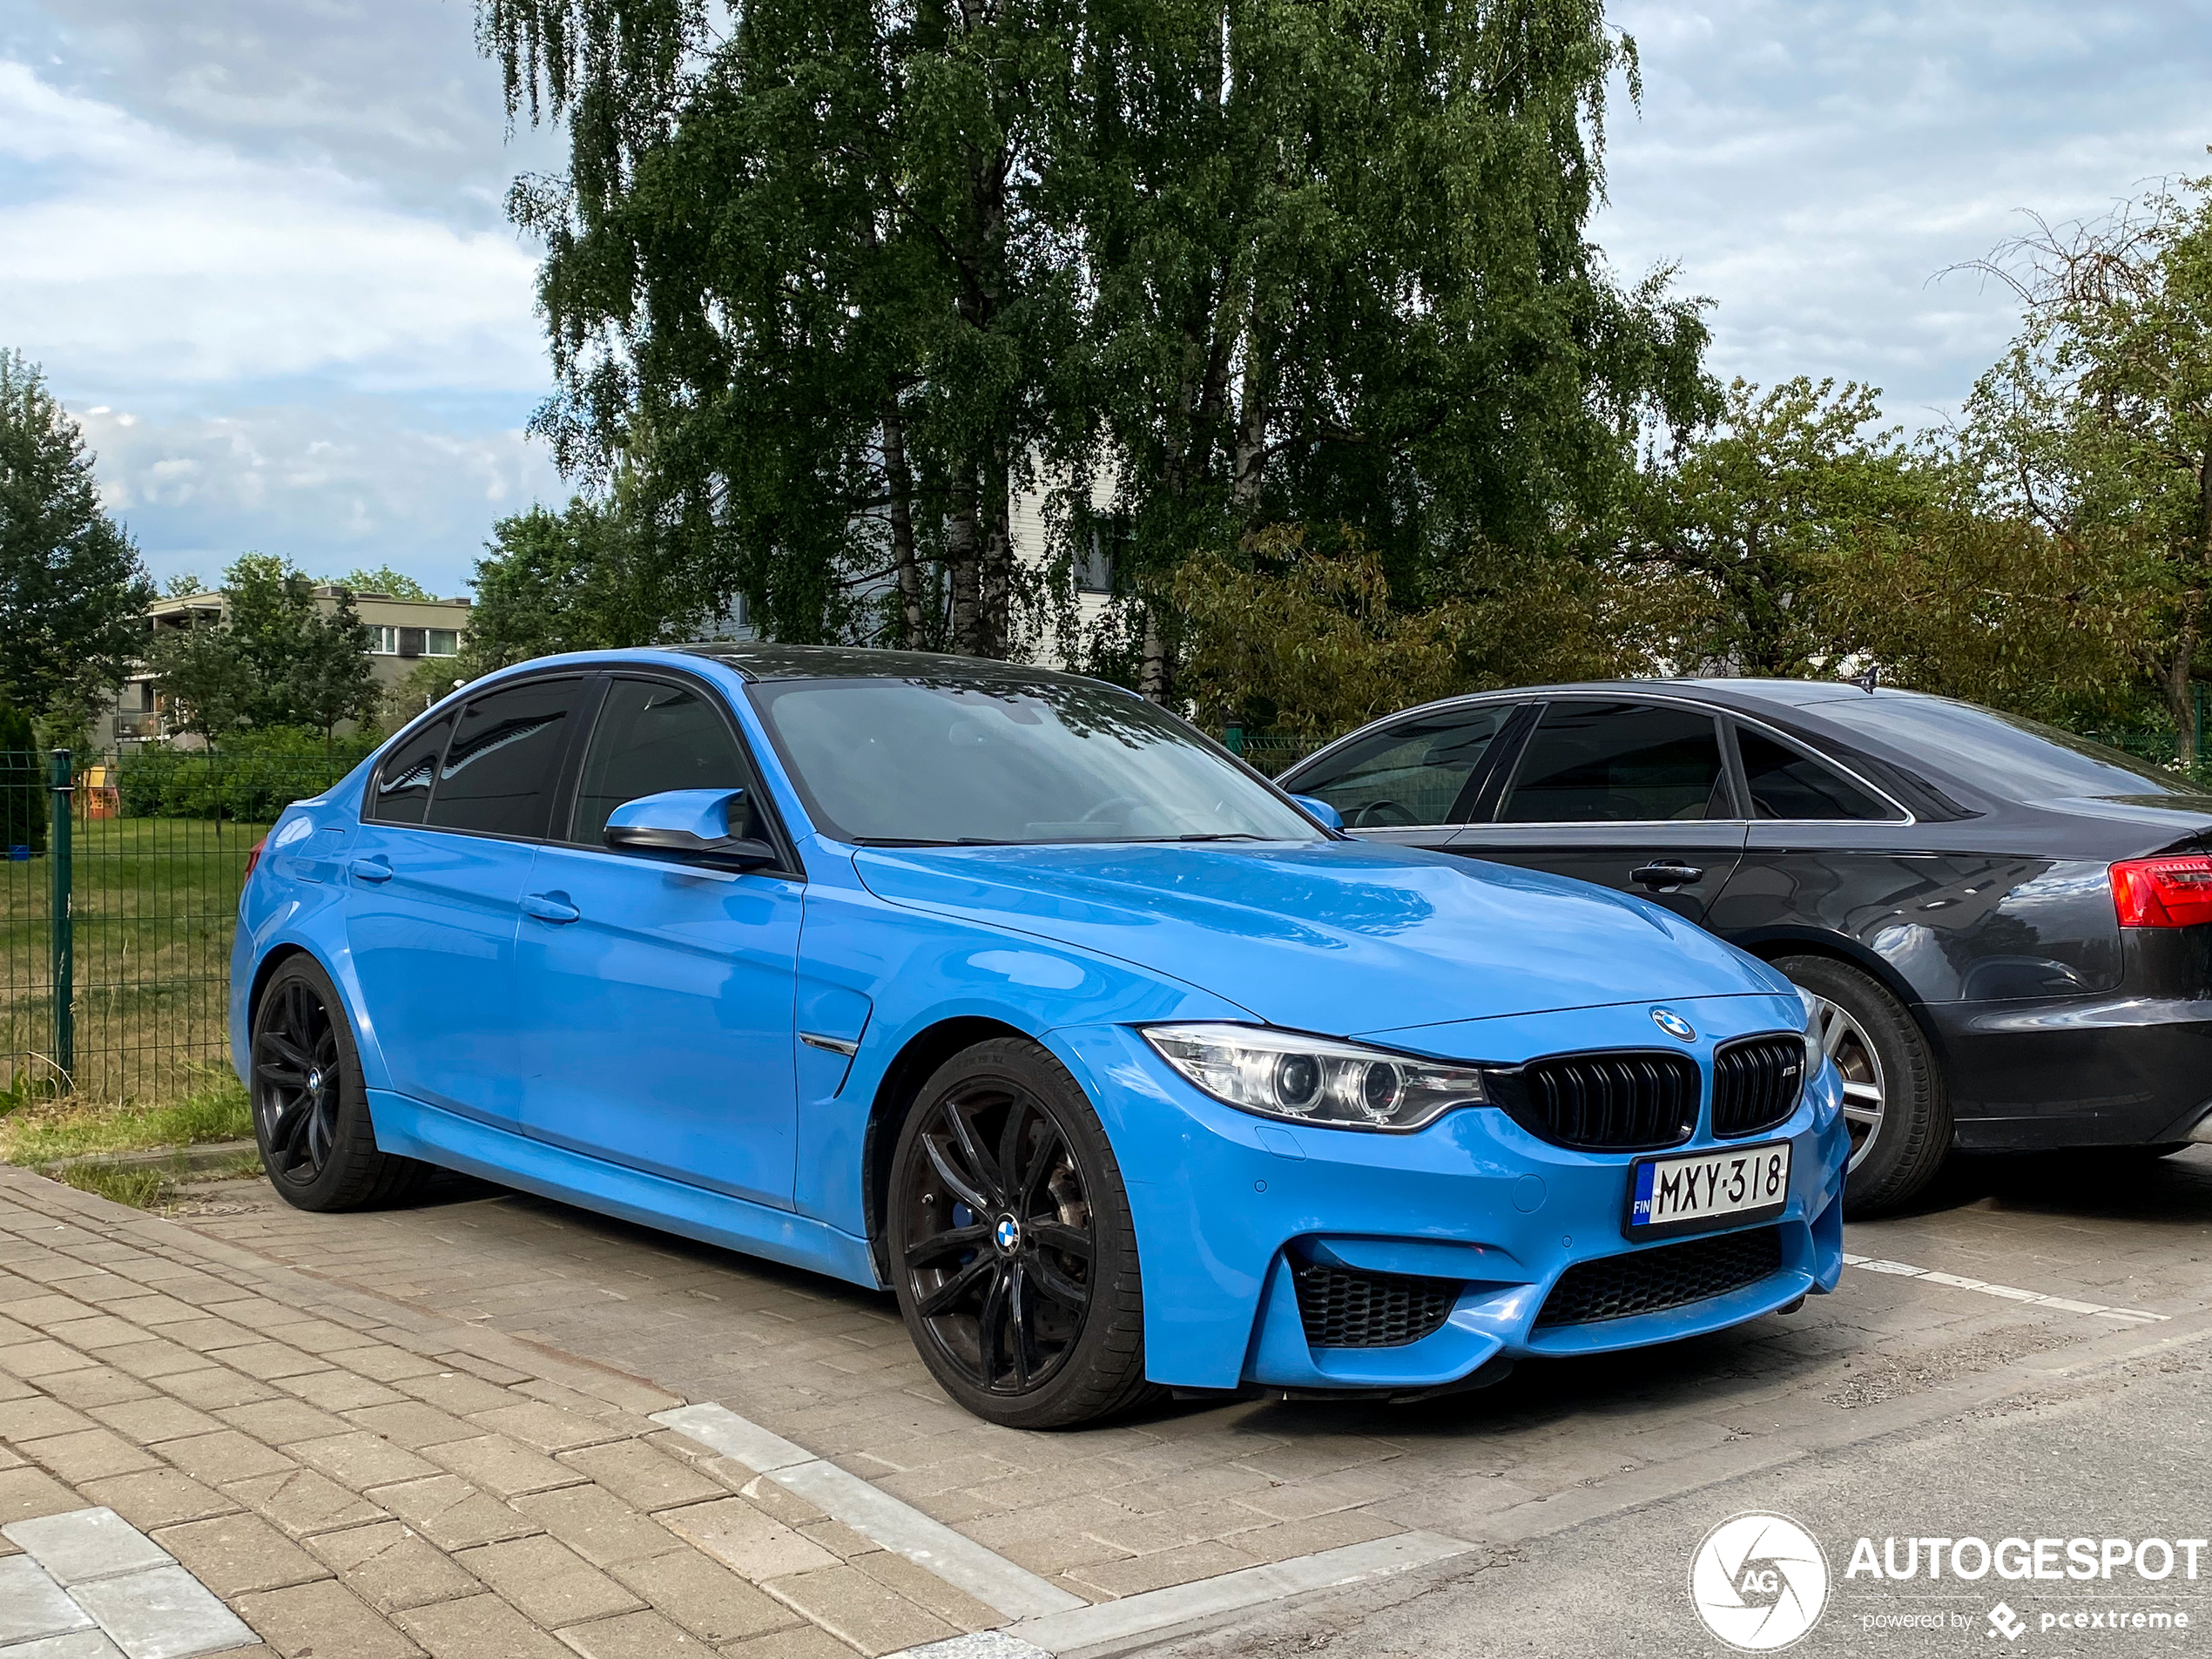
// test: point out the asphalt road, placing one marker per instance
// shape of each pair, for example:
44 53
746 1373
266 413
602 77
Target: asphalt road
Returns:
2101 1438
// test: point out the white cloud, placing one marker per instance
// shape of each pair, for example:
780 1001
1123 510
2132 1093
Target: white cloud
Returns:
1814 167
344 482
131 256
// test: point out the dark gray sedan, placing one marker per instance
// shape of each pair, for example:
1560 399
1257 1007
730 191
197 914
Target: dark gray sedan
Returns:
2010 927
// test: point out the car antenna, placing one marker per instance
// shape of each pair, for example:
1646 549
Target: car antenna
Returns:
1870 679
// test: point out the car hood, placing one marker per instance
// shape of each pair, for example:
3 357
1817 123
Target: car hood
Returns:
1336 937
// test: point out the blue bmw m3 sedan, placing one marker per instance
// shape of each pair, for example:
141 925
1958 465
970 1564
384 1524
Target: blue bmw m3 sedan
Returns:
1006 990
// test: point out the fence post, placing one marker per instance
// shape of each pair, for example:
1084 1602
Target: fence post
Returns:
1232 739
62 931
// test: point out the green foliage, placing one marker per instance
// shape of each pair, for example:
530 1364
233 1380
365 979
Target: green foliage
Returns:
390 583
1749 521
216 1110
255 776
2097 425
832 281
72 589
119 1183
184 585
276 659
585 578
24 802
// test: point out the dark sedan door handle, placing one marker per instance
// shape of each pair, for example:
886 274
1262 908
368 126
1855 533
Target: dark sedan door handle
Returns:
1667 873
369 870
545 907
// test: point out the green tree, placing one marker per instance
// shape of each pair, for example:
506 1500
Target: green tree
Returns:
387 581
2097 425
580 579
24 797
1748 522
802 280
275 659
72 591
1344 277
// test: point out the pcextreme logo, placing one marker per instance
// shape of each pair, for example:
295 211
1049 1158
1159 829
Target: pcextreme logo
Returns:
1759 1582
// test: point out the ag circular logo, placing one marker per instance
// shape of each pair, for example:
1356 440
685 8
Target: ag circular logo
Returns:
1759 1582
1674 1025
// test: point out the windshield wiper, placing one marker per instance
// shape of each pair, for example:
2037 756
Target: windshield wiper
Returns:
901 840
1210 835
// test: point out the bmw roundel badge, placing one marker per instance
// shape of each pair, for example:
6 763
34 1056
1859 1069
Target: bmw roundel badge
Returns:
1674 1025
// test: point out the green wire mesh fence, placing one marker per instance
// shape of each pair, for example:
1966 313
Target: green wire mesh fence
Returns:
120 895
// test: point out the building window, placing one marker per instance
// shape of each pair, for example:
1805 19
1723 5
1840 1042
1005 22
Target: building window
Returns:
383 641
441 641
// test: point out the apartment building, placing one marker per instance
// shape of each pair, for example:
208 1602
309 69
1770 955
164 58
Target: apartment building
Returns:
402 634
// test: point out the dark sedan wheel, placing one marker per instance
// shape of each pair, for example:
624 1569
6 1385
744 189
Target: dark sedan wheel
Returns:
310 1106
1894 1101
1012 1248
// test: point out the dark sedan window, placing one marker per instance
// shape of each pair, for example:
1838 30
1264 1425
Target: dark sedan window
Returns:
1410 773
2011 758
1787 783
499 771
1618 763
650 738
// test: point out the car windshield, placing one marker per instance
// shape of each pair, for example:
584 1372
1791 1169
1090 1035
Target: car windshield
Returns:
919 761
2012 758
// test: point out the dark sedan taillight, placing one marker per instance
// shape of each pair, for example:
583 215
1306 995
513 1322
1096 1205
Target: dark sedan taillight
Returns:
2163 893
253 857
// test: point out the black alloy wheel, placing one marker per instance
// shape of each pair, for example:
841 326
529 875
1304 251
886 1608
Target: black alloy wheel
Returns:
1013 1253
310 1104
296 1087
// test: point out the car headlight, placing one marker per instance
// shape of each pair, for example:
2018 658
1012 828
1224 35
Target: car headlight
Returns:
1816 1052
1313 1079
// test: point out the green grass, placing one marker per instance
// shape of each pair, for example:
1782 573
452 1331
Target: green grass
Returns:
43 1133
140 1189
154 903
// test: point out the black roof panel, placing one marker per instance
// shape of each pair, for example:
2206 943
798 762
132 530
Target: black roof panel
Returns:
766 662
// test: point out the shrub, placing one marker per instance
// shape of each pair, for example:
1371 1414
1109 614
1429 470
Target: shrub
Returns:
23 801
254 776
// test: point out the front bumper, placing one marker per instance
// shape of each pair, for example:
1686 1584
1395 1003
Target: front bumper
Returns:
1228 1205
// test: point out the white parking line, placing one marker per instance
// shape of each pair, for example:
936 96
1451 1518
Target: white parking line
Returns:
1108 1624
2064 1304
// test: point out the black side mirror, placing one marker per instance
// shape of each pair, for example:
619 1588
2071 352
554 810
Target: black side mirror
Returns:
690 824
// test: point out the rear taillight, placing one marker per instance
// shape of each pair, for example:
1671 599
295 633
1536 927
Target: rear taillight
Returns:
254 857
2163 893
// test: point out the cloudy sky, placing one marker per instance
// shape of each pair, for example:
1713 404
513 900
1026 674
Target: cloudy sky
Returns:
258 245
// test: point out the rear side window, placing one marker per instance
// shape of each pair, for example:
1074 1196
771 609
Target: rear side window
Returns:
1410 773
650 738
402 787
1786 783
500 770
1619 763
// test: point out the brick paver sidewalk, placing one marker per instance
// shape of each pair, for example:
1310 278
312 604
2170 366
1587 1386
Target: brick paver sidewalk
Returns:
356 1479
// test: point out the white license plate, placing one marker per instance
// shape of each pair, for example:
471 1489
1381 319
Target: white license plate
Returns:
1701 1189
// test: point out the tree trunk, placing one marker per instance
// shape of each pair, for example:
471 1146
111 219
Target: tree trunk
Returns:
899 485
2180 688
963 551
994 566
1153 671
1251 429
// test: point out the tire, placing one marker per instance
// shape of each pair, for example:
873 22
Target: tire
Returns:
310 1103
1023 1295
1878 1046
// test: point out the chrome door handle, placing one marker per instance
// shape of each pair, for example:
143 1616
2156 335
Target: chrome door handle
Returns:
1667 873
369 870
545 907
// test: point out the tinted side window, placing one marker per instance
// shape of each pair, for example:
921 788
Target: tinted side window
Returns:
1788 784
1409 774
1618 763
650 738
499 770
402 786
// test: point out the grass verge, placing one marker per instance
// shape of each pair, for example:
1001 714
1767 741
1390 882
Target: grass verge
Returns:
140 1189
42 1132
